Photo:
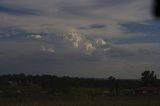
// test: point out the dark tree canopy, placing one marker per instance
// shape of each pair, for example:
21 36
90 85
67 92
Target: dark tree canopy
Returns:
148 77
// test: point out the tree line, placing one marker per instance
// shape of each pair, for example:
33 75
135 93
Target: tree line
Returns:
53 84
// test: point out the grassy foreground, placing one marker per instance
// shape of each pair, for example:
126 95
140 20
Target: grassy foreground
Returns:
80 101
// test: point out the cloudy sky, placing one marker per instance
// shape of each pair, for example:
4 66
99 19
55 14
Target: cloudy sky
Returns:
79 38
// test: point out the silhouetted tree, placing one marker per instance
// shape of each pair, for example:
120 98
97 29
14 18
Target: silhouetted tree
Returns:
113 85
148 77
111 78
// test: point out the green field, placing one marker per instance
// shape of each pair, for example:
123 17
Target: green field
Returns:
81 101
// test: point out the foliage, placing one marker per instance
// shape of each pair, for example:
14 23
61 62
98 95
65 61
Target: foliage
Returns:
21 84
148 77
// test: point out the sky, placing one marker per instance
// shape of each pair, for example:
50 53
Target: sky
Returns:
79 38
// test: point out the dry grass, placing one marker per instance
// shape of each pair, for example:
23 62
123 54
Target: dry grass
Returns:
82 101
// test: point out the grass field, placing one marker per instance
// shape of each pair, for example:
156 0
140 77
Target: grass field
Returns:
80 101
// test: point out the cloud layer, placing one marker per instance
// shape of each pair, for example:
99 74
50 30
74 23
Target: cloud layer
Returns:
65 37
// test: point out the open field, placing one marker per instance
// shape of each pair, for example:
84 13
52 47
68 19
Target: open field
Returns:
81 101
47 90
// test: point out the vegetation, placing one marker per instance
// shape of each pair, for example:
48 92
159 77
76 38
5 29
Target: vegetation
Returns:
148 77
50 90
81 101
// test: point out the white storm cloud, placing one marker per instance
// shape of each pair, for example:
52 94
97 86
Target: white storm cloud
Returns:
82 42
100 42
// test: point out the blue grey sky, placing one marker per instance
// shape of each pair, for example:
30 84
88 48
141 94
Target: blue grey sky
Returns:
79 38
